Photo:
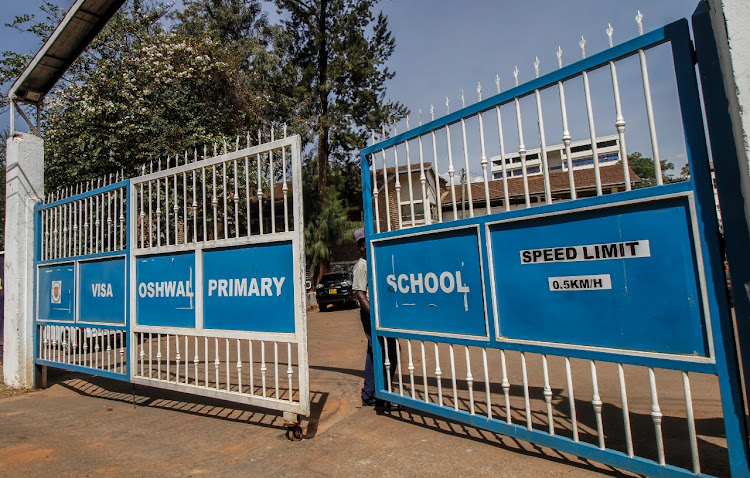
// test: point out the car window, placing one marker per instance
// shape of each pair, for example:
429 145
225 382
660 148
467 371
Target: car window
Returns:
335 277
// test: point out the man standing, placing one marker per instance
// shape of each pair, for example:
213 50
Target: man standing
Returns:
360 285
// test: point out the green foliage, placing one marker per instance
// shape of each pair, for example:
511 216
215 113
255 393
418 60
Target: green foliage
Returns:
346 178
140 93
644 168
328 229
685 172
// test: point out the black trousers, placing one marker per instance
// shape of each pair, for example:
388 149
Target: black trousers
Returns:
368 390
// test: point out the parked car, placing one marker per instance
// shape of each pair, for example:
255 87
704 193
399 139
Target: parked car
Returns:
335 288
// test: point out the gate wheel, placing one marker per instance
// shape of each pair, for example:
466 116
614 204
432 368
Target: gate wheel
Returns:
294 433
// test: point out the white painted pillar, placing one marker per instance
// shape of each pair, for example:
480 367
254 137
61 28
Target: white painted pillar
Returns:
730 19
24 187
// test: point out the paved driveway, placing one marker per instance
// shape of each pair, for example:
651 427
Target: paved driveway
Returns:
88 426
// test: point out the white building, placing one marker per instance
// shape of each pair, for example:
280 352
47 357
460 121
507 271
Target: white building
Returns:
608 151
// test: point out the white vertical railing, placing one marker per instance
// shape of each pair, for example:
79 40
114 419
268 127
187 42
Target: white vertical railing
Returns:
539 397
496 180
78 226
234 364
212 199
96 348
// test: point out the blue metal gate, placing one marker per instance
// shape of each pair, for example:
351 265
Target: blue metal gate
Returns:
189 277
560 272
81 303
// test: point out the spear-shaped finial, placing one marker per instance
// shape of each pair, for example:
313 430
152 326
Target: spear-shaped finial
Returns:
237 143
285 130
479 91
497 82
463 100
536 66
515 75
407 122
247 134
447 105
609 32
420 117
559 56
432 112
582 44
639 21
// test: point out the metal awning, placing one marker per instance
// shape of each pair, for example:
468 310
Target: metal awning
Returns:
80 26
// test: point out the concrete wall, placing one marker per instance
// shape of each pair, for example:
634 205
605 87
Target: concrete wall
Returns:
24 188
730 20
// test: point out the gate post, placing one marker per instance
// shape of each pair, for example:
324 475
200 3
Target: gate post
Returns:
720 63
24 187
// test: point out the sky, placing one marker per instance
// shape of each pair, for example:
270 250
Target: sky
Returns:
445 46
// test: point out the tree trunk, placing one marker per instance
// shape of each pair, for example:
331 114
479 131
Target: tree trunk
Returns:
321 270
323 146
322 162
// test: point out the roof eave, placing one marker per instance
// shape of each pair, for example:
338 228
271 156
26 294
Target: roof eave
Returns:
76 31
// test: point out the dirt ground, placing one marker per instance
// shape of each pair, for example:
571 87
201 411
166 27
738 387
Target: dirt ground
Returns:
88 426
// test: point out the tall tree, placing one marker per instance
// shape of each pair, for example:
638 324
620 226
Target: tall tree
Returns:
338 50
244 26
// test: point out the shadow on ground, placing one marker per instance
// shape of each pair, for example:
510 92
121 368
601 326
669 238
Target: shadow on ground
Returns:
144 396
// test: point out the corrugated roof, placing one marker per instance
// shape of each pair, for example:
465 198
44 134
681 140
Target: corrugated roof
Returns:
81 24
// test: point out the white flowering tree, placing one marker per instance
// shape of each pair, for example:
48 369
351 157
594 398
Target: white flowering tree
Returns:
158 93
141 92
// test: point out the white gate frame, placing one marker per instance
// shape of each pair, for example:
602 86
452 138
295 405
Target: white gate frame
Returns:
197 340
